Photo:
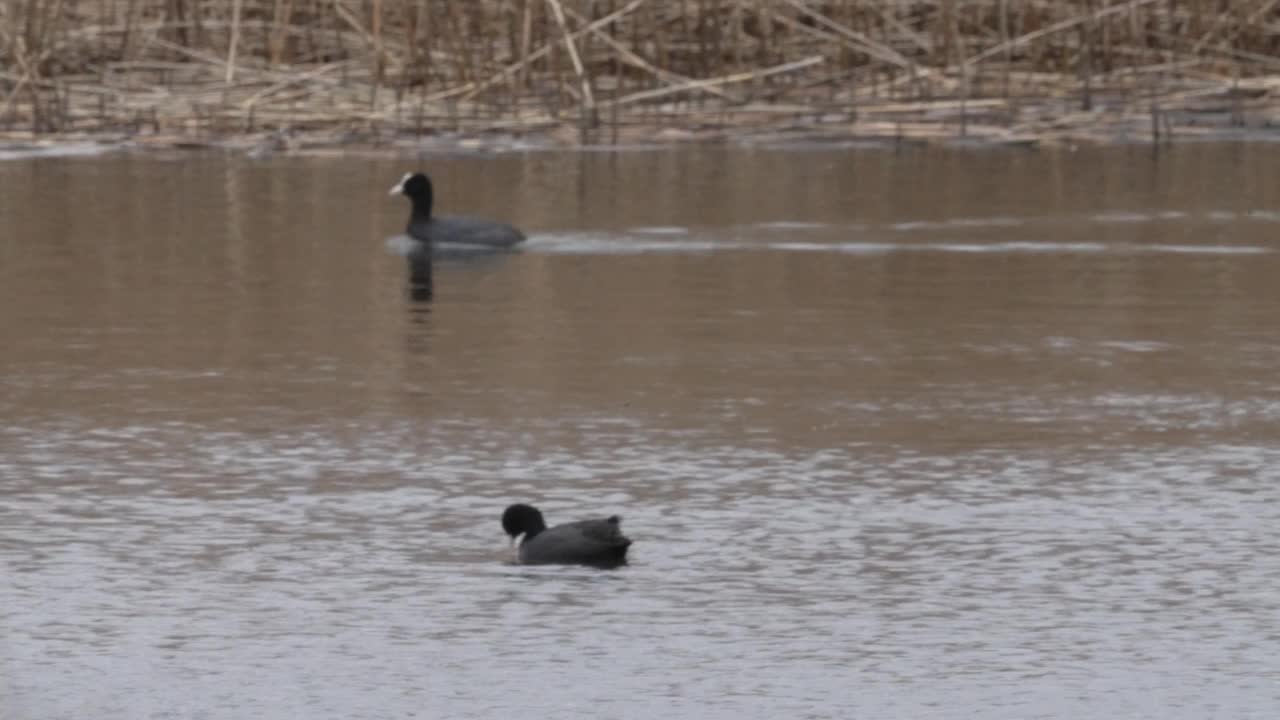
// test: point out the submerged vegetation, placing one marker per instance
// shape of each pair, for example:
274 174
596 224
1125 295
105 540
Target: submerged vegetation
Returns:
625 70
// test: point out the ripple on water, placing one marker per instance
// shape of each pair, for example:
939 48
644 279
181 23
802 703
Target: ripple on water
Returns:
976 477
768 578
642 241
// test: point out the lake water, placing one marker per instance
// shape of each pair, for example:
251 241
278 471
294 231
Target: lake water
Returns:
915 434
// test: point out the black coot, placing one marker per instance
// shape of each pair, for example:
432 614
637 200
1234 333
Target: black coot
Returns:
599 543
460 231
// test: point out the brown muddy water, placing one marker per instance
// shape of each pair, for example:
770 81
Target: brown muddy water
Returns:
914 434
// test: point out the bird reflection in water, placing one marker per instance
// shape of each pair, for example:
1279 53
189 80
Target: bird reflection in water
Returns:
421 259
420 271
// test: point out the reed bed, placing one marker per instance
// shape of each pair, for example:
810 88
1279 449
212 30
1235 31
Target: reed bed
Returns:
627 70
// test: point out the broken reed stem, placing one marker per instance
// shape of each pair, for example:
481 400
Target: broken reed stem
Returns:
529 58
707 84
234 43
588 118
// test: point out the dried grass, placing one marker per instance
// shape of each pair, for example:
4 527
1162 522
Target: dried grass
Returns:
1004 69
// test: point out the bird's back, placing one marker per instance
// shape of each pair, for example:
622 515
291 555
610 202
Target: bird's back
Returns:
586 542
462 230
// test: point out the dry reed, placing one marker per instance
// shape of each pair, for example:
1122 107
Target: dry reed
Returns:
997 69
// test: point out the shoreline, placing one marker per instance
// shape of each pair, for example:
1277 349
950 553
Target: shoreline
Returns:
941 124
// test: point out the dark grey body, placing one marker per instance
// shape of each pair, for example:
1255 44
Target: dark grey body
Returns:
586 542
464 231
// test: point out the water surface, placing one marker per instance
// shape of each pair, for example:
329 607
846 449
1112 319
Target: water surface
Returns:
897 434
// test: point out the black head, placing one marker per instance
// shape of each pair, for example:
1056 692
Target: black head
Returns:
416 187
521 518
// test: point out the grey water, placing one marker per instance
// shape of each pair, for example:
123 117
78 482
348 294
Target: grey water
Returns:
897 434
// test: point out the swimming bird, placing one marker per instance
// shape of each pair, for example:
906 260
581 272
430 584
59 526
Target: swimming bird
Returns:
599 543
474 232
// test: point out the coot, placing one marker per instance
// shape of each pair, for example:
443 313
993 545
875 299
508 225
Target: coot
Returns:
599 543
456 230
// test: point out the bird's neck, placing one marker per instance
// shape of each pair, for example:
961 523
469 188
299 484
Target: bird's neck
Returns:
422 208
